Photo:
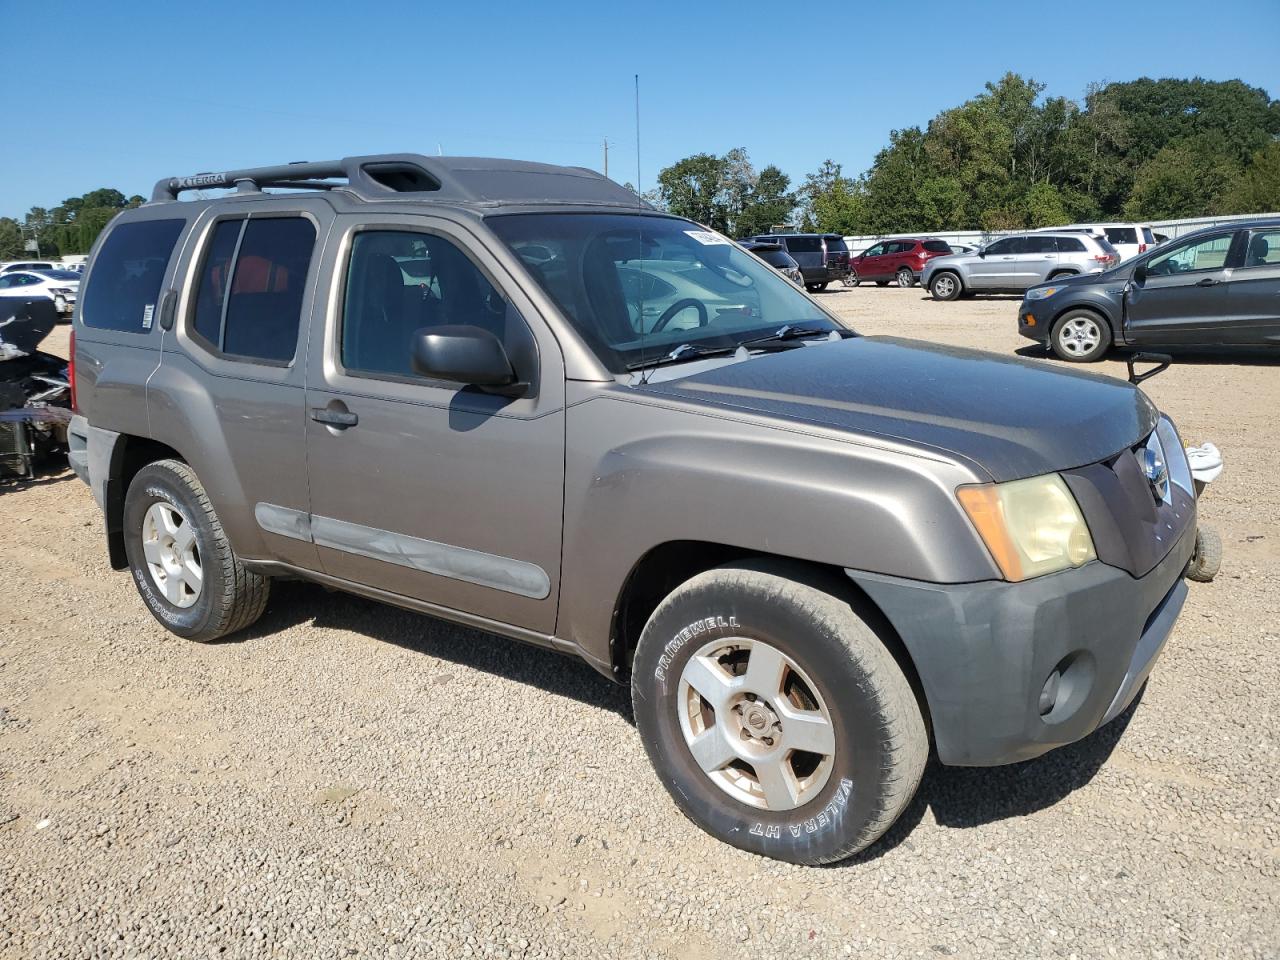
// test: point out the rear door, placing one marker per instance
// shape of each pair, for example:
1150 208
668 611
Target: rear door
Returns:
420 487
1039 259
1253 292
229 390
1184 292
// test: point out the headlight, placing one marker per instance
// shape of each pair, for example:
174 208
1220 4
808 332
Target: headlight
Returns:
1032 527
1040 293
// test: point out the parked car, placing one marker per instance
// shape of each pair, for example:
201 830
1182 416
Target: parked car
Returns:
60 286
27 265
816 558
961 247
1129 239
775 254
1218 286
901 259
1012 264
823 257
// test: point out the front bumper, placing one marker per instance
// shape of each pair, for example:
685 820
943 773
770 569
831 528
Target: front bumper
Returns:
984 651
1034 319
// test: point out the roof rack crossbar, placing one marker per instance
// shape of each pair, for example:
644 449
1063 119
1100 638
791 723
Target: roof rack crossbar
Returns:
281 174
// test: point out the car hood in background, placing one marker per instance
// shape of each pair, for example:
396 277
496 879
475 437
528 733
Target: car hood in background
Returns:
1012 418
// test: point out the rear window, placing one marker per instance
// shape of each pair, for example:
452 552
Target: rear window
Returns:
250 308
836 245
1122 235
804 244
937 246
124 283
1106 246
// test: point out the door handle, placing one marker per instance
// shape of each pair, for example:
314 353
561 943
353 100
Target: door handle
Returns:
334 418
1207 282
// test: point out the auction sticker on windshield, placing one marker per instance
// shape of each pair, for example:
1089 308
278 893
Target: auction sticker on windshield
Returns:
707 237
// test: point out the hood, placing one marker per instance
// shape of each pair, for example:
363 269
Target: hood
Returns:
1010 417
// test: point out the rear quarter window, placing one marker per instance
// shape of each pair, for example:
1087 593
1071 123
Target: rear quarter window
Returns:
937 246
124 283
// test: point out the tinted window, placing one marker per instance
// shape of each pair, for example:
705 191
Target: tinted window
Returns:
251 308
124 284
836 245
1069 244
59 275
1263 249
1039 245
804 244
399 283
1105 245
937 246
775 258
1147 235
1122 235
1007 246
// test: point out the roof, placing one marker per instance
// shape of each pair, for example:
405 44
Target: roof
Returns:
473 181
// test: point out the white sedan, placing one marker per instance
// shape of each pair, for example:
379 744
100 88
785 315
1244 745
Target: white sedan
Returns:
60 286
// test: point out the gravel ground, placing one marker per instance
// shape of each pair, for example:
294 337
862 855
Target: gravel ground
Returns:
349 779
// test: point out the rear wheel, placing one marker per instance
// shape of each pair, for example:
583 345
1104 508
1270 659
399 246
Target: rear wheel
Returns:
906 278
1080 336
774 715
182 564
1061 274
945 286
1207 560
852 280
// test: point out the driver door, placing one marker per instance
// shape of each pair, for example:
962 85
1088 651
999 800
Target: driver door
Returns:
1183 292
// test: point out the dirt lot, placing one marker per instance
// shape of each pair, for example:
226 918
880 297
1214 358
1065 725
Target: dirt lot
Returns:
351 779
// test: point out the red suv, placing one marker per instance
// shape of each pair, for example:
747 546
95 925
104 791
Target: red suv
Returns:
901 259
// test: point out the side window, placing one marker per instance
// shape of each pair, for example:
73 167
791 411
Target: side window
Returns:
124 283
875 251
1263 249
400 283
7 280
1003 247
249 299
1040 245
1207 254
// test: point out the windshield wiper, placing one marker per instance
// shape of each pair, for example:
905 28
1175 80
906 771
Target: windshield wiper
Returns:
686 351
788 332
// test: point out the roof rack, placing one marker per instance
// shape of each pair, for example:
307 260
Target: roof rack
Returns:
471 180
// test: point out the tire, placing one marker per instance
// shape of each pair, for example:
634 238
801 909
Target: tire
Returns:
165 499
852 279
1207 560
820 807
945 285
1080 336
906 278
811 287
1062 273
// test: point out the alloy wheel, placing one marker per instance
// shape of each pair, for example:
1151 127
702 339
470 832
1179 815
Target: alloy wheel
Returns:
755 724
172 554
1079 336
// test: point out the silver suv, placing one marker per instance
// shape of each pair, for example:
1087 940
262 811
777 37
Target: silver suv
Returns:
1012 264
512 396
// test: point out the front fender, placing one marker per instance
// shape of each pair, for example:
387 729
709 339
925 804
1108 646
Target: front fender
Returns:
640 474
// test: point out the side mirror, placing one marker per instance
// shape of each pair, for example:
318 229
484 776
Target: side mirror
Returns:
982 252
465 354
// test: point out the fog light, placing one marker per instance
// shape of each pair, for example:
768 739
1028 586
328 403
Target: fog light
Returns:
1049 695
1029 320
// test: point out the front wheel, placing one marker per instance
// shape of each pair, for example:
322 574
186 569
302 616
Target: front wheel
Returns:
1080 336
945 286
180 558
906 278
774 715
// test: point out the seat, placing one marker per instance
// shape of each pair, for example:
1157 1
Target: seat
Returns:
1259 248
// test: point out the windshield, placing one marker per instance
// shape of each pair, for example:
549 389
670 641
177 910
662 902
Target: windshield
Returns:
638 286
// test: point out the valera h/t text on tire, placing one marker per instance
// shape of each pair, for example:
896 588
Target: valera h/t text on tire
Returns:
513 396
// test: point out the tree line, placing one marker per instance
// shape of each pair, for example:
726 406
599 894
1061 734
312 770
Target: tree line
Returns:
1011 159
70 227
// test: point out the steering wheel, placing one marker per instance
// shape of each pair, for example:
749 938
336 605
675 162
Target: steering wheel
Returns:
669 313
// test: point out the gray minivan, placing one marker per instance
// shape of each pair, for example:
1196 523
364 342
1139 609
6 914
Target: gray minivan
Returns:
1012 264
503 394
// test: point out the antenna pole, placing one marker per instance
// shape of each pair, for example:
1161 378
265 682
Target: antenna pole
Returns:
606 156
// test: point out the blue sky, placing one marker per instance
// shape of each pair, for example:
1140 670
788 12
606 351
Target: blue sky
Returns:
123 93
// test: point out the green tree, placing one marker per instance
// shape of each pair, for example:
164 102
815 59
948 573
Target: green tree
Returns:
769 204
10 239
691 188
725 193
1185 179
1257 189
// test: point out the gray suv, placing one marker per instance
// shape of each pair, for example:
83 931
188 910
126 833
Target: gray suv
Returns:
511 396
1012 264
